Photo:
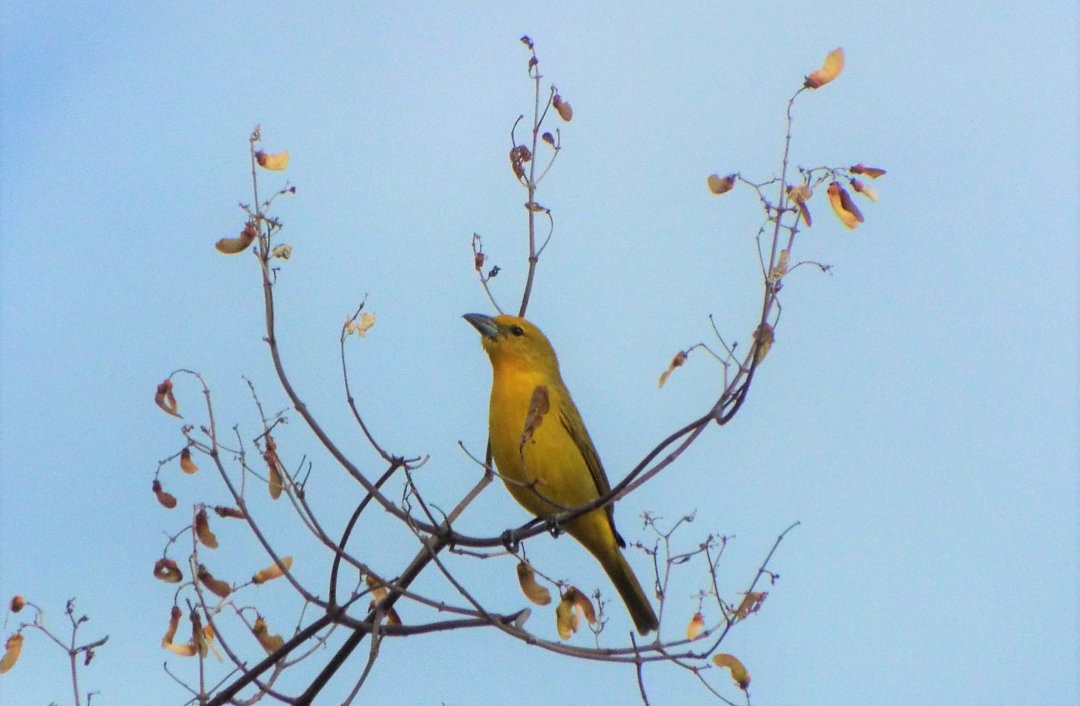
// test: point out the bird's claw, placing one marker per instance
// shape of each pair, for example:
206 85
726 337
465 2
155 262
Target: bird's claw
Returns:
509 541
553 526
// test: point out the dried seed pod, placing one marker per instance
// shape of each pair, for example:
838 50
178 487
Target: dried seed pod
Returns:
273 162
695 626
219 588
197 637
167 570
834 64
738 671
186 464
185 650
872 172
583 604
676 362
167 500
533 591
232 246
12 650
842 205
864 189
174 623
720 185
262 634
562 107
566 618
163 398
202 529
763 336
751 603
273 571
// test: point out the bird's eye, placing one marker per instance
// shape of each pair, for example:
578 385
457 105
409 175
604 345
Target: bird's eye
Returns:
517 330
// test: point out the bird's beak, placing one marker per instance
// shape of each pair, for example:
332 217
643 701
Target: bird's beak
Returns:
484 324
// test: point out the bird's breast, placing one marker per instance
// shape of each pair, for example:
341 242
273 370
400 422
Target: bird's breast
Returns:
535 455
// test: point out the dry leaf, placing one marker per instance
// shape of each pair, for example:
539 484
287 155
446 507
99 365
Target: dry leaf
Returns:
695 626
17 603
834 64
167 571
12 649
272 162
872 172
533 591
232 246
219 588
274 571
843 206
186 464
720 185
202 529
174 623
738 671
167 500
283 252
262 634
163 398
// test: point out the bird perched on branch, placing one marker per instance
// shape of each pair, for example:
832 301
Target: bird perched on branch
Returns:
543 451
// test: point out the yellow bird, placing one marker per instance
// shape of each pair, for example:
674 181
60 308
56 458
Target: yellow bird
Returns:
543 451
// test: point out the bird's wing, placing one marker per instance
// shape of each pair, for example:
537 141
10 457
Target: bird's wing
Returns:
571 421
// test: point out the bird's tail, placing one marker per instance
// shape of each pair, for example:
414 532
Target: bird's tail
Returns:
626 583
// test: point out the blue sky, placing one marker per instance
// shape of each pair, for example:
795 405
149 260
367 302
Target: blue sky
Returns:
918 413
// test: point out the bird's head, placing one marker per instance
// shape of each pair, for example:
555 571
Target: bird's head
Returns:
512 341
